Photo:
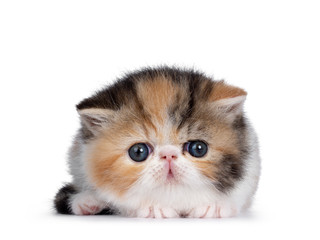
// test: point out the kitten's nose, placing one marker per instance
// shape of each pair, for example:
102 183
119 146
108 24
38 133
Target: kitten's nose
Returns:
169 153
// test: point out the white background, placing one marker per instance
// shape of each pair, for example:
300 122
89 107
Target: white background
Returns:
55 53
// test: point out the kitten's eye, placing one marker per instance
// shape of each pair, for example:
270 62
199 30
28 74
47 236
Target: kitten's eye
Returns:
196 148
139 152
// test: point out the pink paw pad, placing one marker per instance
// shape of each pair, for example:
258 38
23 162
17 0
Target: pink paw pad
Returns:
88 210
86 204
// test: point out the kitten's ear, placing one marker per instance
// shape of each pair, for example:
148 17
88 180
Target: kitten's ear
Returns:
95 118
228 100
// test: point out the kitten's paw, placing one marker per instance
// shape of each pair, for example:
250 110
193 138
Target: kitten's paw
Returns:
226 210
157 212
145 213
165 213
203 212
86 204
213 211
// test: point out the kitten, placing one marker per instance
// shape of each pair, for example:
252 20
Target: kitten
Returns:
162 143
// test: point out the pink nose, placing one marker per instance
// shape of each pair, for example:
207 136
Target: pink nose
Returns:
169 153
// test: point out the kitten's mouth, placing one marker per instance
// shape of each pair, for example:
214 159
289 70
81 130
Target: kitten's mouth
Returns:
170 174
171 178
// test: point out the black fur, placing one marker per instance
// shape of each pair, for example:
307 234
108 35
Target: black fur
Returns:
61 200
112 97
186 114
108 211
230 170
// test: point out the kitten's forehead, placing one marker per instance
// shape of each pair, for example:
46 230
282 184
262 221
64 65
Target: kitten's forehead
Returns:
167 109
164 101
158 95
169 103
158 98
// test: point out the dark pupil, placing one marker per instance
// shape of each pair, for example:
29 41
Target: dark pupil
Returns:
139 152
197 149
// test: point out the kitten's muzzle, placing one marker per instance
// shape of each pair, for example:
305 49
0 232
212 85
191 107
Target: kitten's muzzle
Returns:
169 153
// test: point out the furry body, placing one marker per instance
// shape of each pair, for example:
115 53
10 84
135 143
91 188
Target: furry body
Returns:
165 108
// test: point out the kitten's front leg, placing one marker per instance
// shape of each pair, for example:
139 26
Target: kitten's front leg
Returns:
156 212
86 203
219 210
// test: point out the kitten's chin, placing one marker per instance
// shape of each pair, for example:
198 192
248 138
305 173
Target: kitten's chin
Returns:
171 181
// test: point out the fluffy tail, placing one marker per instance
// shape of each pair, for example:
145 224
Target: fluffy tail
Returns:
62 199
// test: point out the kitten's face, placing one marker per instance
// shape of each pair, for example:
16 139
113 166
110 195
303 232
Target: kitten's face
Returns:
169 134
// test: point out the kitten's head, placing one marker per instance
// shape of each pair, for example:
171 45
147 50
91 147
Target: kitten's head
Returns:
162 128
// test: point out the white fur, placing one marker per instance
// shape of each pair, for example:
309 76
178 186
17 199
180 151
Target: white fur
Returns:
229 108
86 203
152 196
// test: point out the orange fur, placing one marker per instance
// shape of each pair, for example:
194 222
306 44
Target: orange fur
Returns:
223 142
109 168
109 165
156 96
222 90
207 168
